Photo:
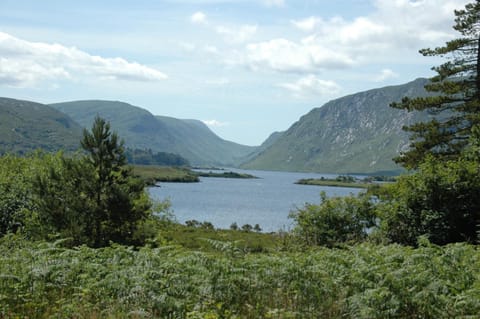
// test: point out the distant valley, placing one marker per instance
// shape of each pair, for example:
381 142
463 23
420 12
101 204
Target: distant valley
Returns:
191 139
358 133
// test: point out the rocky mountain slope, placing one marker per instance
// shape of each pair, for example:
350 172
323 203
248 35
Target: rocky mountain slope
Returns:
358 133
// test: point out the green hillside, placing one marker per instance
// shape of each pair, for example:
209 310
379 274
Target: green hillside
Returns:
141 130
26 126
197 139
358 133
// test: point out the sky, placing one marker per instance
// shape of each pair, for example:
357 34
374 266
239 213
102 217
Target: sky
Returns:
246 68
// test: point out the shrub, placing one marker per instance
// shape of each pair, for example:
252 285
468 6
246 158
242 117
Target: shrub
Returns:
336 220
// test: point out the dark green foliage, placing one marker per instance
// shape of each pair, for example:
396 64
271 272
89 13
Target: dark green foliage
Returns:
346 179
152 174
62 191
335 221
15 195
90 200
456 95
196 224
440 201
225 175
148 157
247 228
119 199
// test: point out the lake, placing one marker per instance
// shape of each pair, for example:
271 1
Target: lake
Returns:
266 201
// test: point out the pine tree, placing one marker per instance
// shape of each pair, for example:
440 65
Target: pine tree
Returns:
455 99
120 198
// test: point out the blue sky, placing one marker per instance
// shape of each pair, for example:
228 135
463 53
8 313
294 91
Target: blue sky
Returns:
246 68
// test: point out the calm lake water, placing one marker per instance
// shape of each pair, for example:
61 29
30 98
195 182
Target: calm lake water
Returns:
266 201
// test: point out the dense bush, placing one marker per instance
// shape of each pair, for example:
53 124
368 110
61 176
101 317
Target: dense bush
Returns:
336 220
16 204
440 201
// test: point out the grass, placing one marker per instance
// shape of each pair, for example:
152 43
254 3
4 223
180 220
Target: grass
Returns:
331 183
200 237
152 174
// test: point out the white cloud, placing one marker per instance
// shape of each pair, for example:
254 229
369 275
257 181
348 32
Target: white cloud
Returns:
307 24
311 85
287 56
239 35
392 30
199 18
215 123
384 75
26 64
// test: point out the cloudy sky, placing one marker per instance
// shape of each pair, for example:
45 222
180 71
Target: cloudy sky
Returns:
244 67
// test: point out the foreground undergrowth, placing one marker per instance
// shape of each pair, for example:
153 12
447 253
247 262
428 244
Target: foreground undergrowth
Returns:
40 280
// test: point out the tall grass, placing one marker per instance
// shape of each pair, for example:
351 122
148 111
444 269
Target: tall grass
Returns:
45 280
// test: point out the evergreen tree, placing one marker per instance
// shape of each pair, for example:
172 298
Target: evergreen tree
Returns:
455 99
94 199
120 198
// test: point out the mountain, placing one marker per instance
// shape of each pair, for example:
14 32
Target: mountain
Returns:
358 133
197 140
140 129
26 126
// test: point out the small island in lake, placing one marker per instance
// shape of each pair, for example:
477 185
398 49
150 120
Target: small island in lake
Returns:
340 181
153 174
225 174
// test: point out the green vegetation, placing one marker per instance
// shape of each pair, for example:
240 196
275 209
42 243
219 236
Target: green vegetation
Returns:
44 279
152 174
225 175
92 199
337 220
148 157
80 240
340 181
199 236
456 99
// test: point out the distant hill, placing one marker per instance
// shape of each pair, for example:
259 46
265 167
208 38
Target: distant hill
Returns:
196 140
26 126
140 129
358 133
